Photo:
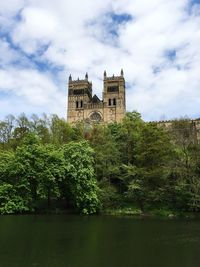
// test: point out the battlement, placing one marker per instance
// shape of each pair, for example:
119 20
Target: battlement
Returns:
173 120
113 77
79 80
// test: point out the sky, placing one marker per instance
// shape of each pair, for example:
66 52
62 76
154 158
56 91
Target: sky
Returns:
156 42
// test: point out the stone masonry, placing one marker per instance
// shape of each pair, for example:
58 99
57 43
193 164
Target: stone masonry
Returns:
84 106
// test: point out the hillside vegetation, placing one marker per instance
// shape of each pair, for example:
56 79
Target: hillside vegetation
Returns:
48 165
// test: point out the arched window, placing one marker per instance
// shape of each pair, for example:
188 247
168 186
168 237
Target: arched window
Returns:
81 103
109 102
114 101
76 104
95 116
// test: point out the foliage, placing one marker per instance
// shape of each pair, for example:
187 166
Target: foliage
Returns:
11 201
145 166
80 176
108 195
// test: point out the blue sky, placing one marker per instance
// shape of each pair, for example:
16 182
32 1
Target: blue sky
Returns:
156 42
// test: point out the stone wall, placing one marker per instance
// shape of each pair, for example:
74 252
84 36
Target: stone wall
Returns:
194 127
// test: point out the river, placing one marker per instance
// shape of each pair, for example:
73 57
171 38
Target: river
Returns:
99 241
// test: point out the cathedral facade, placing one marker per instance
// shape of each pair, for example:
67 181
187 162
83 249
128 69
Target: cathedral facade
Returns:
86 107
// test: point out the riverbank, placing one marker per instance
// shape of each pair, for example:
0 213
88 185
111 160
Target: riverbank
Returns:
163 213
126 210
118 213
132 212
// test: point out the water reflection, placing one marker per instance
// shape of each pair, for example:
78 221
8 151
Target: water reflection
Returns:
73 241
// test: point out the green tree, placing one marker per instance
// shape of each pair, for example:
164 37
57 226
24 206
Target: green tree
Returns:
147 177
41 166
51 174
127 136
41 127
106 154
61 131
80 176
185 189
13 190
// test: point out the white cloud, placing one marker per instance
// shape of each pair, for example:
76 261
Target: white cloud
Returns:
37 28
33 88
76 37
7 55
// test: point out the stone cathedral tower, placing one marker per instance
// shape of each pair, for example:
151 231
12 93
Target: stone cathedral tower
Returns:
84 106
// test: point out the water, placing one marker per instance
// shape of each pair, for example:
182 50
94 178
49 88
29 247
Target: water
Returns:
73 241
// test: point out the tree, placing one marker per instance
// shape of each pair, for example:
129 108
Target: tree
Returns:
41 166
61 131
6 129
154 157
41 127
147 176
127 136
13 190
106 154
80 176
183 136
52 173
186 187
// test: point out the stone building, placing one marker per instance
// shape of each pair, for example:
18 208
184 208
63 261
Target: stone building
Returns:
84 106
194 126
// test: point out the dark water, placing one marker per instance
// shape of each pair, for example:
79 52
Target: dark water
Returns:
72 241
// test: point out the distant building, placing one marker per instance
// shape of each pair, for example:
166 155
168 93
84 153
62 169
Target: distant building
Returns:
84 106
194 127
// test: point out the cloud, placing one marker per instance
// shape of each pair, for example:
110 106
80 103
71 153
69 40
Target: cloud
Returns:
7 55
155 41
31 88
35 30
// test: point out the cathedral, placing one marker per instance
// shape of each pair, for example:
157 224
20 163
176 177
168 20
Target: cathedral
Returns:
84 106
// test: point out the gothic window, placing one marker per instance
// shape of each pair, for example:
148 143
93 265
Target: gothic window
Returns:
113 89
95 116
70 92
114 102
76 104
79 92
109 102
81 103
